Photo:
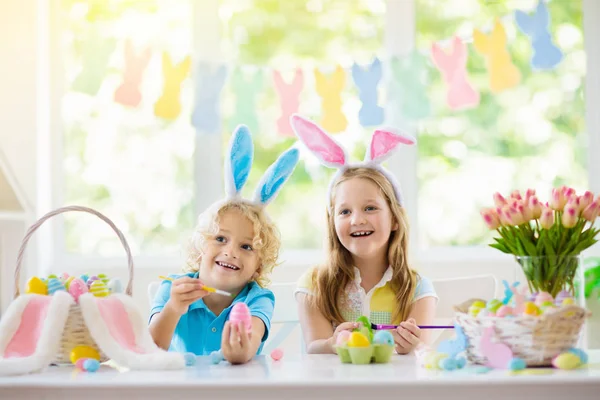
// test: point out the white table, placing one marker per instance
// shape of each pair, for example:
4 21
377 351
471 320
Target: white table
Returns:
309 377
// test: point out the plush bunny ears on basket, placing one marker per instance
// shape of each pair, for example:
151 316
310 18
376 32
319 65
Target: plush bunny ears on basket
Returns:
331 154
238 163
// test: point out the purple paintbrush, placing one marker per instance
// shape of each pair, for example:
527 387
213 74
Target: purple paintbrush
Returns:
383 326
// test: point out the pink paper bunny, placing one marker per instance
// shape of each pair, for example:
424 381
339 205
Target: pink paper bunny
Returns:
289 97
128 93
453 67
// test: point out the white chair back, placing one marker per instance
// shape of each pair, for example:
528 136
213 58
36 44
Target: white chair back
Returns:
453 291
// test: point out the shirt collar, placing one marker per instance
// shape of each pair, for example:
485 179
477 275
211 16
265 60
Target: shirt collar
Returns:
387 276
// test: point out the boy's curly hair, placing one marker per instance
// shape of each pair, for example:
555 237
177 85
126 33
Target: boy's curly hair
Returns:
266 239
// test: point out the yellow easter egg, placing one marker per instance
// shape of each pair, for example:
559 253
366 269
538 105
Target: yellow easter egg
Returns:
36 286
357 339
478 304
474 310
567 361
84 352
568 301
531 309
99 289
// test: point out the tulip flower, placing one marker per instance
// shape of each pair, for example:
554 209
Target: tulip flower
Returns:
591 212
547 217
557 200
491 218
499 200
585 200
535 206
570 214
516 195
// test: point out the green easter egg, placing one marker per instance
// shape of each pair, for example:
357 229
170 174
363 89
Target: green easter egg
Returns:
494 305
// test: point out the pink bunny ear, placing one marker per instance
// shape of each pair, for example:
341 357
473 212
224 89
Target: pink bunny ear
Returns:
327 150
384 142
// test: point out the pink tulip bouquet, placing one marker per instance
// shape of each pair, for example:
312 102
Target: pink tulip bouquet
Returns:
546 239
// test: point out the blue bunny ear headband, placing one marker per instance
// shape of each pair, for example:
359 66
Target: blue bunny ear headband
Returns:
238 162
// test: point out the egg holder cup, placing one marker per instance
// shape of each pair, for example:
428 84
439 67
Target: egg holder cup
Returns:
76 332
374 353
537 340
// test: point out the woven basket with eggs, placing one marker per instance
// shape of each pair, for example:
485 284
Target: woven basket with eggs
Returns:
537 339
75 332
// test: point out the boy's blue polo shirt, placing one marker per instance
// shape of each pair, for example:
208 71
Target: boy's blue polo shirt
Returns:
199 330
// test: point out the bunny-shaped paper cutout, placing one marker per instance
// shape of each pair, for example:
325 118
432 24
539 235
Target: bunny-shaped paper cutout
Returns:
238 163
367 81
168 106
96 55
330 88
408 89
537 26
503 74
207 97
453 67
289 97
330 153
246 86
128 93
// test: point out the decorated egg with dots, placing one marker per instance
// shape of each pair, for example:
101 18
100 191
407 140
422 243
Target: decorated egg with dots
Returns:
83 352
99 289
115 286
36 286
55 285
77 288
542 298
342 338
357 339
383 337
240 314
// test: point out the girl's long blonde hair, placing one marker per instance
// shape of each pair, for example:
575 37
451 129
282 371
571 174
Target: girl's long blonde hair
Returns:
266 239
331 280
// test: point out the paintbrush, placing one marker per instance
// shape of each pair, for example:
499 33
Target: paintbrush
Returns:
207 288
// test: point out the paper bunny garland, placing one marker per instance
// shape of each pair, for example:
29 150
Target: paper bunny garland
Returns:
330 153
238 162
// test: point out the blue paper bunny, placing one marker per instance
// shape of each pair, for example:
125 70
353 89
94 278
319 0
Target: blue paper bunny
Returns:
206 117
367 80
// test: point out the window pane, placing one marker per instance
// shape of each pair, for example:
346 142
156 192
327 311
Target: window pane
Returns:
532 135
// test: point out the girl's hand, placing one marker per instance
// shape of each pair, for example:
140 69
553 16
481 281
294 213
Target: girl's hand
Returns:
406 336
345 326
184 291
235 343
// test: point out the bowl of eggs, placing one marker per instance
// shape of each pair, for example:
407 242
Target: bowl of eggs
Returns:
537 328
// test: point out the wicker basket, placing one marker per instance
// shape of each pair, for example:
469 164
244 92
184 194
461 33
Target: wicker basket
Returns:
75 332
537 340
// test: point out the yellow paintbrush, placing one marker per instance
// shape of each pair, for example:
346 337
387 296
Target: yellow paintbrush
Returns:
207 288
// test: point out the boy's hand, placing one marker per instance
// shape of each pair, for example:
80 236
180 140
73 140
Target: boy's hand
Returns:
184 291
235 343
406 336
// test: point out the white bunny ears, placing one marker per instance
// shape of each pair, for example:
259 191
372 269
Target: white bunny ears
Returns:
238 162
383 144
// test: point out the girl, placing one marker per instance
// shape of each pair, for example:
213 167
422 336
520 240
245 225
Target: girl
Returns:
367 271
234 248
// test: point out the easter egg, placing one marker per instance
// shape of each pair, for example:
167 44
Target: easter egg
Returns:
447 364
36 286
99 289
357 339
561 296
91 365
240 314
543 297
190 359
68 282
517 364
474 310
216 357
84 277
64 276
342 338
532 297
579 353
79 363
52 276
277 354
493 305
77 288
504 311
566 360
530 308
55 285
460 362
568 302
115 286
84 352
91 280
383 337
103 278
478 304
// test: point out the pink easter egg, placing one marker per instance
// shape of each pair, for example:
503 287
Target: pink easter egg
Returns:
543 297
64 276
79 363
342 338
77 288
504 311
240 314
277 354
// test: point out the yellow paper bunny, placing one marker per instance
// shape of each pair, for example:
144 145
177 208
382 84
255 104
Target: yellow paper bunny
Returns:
503 74
330 89
168 106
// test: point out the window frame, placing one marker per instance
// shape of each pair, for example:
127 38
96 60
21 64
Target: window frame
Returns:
399 39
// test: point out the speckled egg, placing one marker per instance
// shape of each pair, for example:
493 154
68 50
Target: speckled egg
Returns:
357 339
36 286
99 289
383 337
55 285
77 288
566 360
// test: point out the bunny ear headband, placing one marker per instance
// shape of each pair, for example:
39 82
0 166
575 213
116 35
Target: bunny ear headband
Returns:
330 153
238 162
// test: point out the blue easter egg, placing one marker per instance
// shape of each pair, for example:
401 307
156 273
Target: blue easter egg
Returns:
91 365
190 359
84 277
579 353
216 357
447 364
115 286
54 285
517 364
383 337
460 362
